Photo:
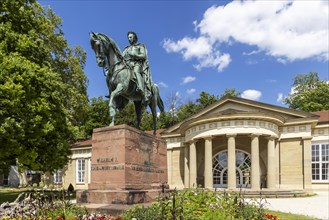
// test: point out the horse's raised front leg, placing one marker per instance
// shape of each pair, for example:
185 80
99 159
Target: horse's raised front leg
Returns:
112 105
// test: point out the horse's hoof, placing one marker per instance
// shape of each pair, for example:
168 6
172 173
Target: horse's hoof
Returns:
112 124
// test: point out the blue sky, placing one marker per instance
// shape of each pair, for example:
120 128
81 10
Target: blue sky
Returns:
256 47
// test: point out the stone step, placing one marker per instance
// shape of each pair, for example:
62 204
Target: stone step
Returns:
269 193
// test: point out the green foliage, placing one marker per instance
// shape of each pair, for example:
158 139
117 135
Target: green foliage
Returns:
195 204
179 113
310 93
230 92
127 115
97 115
166 120
188 110
206 99
42 87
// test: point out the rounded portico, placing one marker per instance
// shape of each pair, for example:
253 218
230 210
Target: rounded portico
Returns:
229 144
238 143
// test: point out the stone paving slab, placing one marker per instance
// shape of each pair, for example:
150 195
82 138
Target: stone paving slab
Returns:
315 206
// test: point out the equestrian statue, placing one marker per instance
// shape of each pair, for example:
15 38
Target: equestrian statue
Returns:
128 76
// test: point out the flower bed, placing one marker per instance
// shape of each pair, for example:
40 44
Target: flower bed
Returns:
195 204
191 204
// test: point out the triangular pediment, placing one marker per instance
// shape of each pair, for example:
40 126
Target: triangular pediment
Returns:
229 105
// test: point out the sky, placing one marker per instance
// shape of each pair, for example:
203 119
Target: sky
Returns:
255 47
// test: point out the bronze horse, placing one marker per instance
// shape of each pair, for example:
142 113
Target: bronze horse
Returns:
120 80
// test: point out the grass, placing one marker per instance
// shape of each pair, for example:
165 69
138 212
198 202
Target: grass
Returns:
290 216
9 195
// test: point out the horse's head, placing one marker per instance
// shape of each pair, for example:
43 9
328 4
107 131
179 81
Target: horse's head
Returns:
98 47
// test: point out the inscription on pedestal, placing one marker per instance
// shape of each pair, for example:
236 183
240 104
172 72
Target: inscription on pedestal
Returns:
107 159
120 167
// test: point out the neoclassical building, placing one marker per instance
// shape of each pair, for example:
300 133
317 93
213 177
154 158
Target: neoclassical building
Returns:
239 143
234 143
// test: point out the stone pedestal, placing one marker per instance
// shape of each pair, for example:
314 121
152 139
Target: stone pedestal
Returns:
128 166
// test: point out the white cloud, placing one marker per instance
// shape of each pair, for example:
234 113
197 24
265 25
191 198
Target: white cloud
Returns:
280 98
251 53
287 30
251 94
293 90
214 60
162 84
200 49
190 91
189 47
188 79
291 30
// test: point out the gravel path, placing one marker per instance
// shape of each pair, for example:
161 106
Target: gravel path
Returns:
315 206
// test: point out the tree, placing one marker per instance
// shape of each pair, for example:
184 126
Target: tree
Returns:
187 110
230 92
310 93
42 87
127 115
206 99
98 115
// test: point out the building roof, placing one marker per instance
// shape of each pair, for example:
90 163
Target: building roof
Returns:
247 106
82 143
324 115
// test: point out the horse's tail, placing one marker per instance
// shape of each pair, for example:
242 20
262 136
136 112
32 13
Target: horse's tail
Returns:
156 93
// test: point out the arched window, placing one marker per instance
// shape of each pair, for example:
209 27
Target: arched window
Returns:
243 168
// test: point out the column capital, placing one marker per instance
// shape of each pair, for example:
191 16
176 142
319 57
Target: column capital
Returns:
192 141
255 135
231 135
208 138
270 138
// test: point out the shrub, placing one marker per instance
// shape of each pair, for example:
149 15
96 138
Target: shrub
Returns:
197 204
70 188
41 204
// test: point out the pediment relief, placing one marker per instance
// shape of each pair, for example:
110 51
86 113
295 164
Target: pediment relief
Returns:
239 105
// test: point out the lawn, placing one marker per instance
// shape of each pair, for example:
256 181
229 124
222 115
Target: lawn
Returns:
289 216
9 195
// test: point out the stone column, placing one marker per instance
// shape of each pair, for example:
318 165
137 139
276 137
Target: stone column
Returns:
170 167
186 167
255 175
208 174
271 180
277 164
231 173
193 171
307 163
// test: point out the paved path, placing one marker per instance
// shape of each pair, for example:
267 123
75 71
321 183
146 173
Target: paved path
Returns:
315 206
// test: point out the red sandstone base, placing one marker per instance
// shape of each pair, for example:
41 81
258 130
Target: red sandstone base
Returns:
128 166
117 196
